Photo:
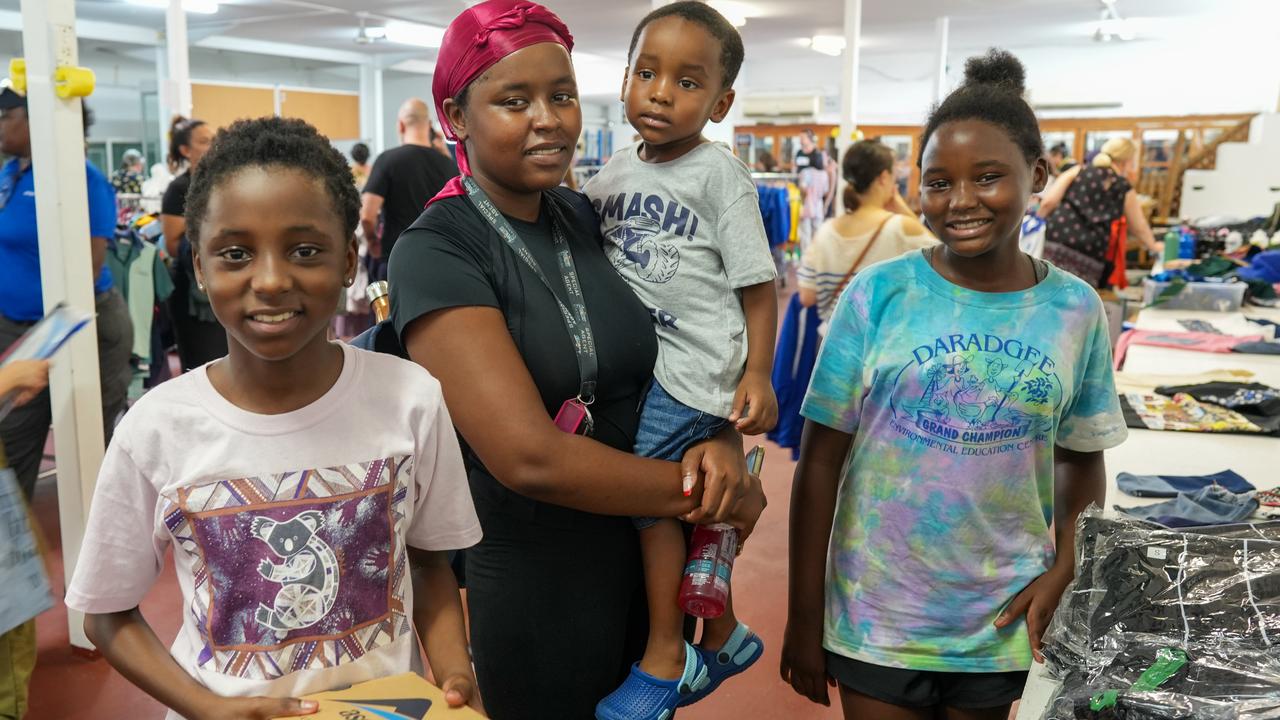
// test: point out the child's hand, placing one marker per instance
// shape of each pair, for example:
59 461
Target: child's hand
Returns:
804 664
460 690
25 377
755 395
1037 601
257 708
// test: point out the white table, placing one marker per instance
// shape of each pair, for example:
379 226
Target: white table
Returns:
1177 453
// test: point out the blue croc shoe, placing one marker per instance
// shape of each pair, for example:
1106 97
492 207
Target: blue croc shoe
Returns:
740 651
645 697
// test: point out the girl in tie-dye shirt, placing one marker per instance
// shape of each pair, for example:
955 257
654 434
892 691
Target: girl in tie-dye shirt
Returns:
959 409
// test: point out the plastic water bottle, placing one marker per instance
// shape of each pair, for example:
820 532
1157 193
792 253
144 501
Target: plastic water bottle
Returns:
1172 245
1187 245
704 592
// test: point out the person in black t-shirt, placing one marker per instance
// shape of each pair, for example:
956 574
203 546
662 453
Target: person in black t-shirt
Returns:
403 179
199 336
557 576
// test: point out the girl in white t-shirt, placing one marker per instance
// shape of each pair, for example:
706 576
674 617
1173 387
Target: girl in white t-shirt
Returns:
876 225
309 490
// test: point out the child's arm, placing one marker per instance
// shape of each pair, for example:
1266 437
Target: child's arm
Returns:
25 377
813 507
1079 478
131 646
437 616
755 392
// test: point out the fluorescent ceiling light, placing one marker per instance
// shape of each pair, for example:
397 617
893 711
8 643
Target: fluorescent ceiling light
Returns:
202 7
735 12
828 44
405 33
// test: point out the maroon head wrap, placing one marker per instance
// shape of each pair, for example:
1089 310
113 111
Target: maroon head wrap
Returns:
474 42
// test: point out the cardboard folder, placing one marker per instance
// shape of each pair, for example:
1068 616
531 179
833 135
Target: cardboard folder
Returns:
399 697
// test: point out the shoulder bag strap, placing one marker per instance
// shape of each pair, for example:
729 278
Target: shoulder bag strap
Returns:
854 268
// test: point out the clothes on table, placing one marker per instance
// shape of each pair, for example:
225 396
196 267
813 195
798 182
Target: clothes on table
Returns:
793 362
1207 506
1167 486
1257 403
1128 381
1181 413
1265 267
1203 342
1258 347
1199 326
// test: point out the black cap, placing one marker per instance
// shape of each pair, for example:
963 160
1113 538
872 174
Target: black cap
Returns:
10 99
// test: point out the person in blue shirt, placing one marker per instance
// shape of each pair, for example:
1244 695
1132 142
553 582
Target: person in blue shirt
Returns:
24 430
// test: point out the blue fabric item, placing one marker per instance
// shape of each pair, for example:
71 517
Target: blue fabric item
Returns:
1167 486
21 296
775 210
1211 505
1258 348
740 651
645 697
1265 267
668 427
792 367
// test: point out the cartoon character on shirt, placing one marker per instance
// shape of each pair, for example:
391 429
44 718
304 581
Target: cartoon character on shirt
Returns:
654 259
308 572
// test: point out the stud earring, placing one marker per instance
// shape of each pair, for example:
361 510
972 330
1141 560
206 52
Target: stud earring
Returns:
349 282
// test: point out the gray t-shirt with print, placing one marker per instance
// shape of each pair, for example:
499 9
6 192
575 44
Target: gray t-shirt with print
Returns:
687 235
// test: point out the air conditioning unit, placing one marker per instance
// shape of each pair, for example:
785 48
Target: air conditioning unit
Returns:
781 106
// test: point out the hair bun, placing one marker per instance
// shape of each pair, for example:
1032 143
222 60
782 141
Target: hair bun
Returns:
998 67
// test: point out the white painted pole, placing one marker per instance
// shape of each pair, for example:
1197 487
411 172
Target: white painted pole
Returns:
164 107
62 214
178 82
371 110
849 80
942 35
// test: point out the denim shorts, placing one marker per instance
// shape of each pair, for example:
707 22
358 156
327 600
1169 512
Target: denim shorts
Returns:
667 428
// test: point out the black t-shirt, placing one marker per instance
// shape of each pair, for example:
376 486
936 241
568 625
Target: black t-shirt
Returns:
406 177
814 159
451 257
175 196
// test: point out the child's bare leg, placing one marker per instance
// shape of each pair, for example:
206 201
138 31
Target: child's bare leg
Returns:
716 631
663 549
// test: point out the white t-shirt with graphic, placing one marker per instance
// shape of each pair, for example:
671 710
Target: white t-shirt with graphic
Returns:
289 531
687 235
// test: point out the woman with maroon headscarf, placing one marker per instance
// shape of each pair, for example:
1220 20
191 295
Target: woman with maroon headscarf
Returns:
503 291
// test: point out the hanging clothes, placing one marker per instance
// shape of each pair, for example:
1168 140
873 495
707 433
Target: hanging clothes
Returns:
793 362
144 282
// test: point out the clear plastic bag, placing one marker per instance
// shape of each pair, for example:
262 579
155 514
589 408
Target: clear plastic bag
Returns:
1211 595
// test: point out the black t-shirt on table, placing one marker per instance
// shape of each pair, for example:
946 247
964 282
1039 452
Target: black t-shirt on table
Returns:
174 201
406 177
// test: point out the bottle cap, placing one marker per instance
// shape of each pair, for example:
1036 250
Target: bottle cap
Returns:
377 290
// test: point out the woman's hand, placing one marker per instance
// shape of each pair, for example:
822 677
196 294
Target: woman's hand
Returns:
715 472
804 663
460 690
1037 601
755 395
256 708
25 378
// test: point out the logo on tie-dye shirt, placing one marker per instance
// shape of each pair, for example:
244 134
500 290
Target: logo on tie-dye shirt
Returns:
976 395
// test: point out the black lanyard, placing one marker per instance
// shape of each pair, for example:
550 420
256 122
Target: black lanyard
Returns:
576 320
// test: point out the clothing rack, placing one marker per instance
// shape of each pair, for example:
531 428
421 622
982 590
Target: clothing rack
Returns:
136 201
774 177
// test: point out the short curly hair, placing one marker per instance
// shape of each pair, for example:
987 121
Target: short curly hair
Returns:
276 143
992 92
731 50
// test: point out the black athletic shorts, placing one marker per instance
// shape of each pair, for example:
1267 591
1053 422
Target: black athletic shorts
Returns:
923 688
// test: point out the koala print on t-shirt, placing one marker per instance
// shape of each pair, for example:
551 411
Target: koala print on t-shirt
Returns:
295 570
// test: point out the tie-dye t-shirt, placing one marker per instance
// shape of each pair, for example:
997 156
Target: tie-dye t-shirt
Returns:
956 399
